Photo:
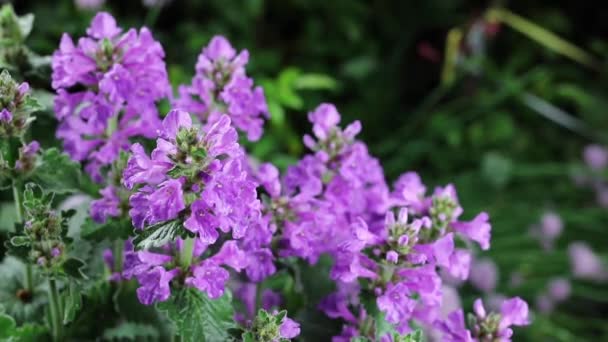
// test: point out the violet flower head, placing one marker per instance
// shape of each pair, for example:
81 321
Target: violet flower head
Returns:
289 328
221 87
551 226
559 289
118 78
596 157
585 263
484 275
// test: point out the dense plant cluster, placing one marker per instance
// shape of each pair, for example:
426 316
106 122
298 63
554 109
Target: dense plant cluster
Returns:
192 217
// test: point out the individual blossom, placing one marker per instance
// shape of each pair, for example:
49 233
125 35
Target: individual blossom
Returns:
221 87
596 157
107 87
585 263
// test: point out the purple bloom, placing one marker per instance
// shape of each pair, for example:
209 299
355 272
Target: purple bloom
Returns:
453 328
210 278
559 289
477 230
154 285
261 265
596 157
166 202
270 299
220 86
289 328
122 76
6 115
585 264
484 275
230 254
106 206
396 303
551 226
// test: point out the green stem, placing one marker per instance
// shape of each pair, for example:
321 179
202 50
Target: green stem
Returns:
55 309
19 212
118 255
185 255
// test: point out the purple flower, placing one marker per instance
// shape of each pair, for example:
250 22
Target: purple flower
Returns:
559 289
477 230
261 265
166 202
596 157
514 311
106 206
585 264
154 285
271 299
210 278
453 328
6 115
396 303
551 226
230 254
484 275
121 75
289 328
220 86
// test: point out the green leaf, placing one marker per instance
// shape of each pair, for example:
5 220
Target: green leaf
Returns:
130 331
112 229
20 240
57 172
198 318
416 336
73 268
158 234
26 23
22 306
316 82
7 325
72 302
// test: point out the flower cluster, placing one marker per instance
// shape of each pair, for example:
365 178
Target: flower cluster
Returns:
14 107
195 178
44 230
107 85
221 86
485 326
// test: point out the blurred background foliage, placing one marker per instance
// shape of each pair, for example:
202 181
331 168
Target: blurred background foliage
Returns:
483 94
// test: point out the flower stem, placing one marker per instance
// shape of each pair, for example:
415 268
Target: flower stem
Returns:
118 255
185 255
55 309
19 213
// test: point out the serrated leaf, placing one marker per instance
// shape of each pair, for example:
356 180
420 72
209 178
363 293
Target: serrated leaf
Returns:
57 172
130 331
158 234
73 267
197 318
72 302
